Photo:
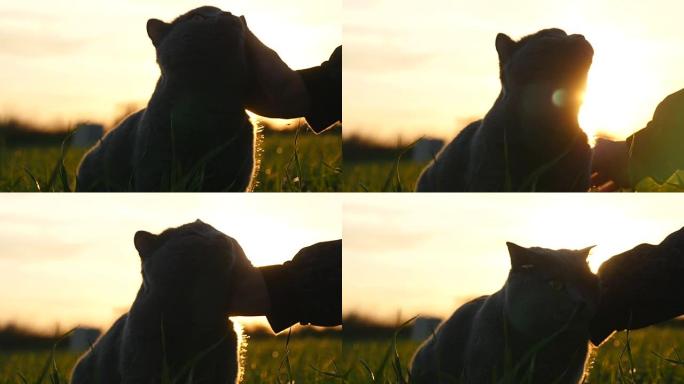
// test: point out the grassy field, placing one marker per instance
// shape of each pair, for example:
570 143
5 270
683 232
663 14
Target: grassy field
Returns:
289 163
381 176
646 356
644 359
402 175
302 360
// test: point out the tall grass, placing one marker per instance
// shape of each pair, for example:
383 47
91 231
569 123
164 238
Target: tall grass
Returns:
273 360
651 355
289 162
397 175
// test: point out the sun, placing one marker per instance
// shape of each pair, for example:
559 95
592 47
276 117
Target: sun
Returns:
623 87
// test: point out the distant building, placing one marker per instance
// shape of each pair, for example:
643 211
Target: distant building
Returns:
87 135
426 149
82 338
424 327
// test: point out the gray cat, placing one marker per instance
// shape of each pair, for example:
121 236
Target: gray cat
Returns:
178 317
530 139
535 327
194 134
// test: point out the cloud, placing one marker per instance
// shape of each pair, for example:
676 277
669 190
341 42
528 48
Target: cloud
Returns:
24 249
367 58
28 43
26 15
385 240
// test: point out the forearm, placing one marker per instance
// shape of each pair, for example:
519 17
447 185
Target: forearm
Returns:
658 149
641 287
307 289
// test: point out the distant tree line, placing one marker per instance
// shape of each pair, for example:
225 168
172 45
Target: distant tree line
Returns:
15 132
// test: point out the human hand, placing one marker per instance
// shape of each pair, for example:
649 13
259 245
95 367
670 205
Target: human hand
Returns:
319 267
610 162
599 184
278 91
639 286
250 294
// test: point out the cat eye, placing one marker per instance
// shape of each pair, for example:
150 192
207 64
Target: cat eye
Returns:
556 285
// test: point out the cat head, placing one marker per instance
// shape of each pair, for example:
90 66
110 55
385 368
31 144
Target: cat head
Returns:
549 290
205 42
544 74
191 263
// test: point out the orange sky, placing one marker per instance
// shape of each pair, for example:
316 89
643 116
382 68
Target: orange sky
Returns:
430 67
427 254
65 61
69 259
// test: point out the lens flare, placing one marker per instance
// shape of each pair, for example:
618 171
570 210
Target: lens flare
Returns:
559 97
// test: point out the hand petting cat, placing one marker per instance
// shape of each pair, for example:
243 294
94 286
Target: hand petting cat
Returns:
279 91
640 287
305 290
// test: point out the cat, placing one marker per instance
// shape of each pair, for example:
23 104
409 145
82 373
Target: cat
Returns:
547 303
194 134
530 140
179 313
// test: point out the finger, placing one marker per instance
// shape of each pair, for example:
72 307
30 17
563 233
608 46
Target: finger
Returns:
598 179
609 186
594 176
253 41
243 24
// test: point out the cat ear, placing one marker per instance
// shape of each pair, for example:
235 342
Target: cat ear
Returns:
505 46
584 252
519 255
145 243
156 30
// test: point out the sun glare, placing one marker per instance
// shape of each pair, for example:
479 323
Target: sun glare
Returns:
622 89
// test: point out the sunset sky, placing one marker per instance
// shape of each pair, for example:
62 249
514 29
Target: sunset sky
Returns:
430 67
70 259
428 254
66 61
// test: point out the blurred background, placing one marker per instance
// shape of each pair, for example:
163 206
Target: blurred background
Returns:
406 256
83 60
83 66
430 68
69 260
427 69
411 260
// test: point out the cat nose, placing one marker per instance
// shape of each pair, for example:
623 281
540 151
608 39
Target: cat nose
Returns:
232 19
581 45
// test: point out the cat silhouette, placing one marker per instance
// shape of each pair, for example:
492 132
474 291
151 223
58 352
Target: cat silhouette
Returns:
178 319
534 330
194 134
530 140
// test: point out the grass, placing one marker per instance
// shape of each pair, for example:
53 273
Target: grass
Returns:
290 162
378 168
301 163
651 355
394 173
674 183
401 176
382 176
273 360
